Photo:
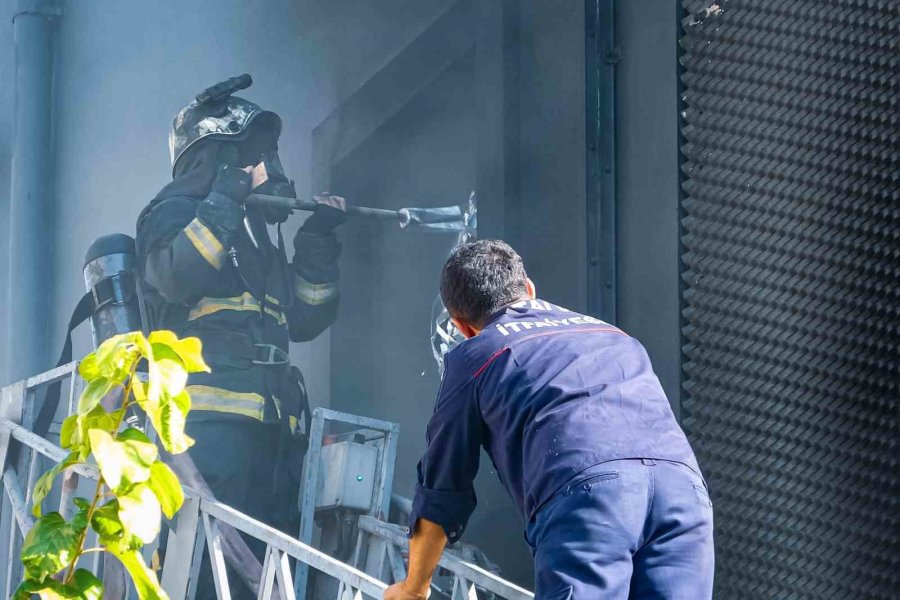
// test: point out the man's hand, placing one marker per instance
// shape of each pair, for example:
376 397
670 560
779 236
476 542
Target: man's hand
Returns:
398 591
330 212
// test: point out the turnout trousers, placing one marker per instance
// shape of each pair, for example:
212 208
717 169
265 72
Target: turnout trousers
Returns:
237 458
635 529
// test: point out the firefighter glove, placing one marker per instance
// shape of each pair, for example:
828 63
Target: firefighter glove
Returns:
222 210
330 212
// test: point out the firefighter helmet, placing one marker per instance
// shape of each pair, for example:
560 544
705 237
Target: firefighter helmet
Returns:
216 114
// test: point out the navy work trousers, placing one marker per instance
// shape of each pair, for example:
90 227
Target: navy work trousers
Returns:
631 529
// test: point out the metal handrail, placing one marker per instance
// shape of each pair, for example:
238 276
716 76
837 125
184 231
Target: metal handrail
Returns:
466 573
192 527
349 576
196 526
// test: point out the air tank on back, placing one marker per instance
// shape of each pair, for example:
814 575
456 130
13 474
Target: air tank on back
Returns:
109 273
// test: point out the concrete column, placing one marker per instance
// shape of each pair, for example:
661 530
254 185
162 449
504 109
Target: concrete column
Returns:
31 197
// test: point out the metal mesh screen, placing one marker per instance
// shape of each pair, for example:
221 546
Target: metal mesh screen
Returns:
791 258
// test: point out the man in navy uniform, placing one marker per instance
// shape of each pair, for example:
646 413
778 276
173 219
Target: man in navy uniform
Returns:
581 435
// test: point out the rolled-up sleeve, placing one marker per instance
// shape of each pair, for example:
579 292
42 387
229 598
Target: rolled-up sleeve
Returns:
445 494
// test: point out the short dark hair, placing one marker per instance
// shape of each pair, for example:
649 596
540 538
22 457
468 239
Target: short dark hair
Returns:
480 278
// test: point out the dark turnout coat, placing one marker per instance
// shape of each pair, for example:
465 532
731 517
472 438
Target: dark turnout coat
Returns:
245 315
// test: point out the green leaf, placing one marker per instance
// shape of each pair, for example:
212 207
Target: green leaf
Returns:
107 350
190 349
68 432
139 513
87 584
105 521
139 389
116 356
168 418
166 487
26 589
45 482
163 336
166 372
49 546
80 518
135 435
173 419
182 402
46 590
141 343
84 586
145 581
93 393
124 461
89 368
74 432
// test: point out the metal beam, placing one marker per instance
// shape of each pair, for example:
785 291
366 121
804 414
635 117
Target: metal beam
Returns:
17 500
53 375
601 56
497 112
48 449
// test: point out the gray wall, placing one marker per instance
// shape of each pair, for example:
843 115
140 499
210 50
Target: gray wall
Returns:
545 221
647 182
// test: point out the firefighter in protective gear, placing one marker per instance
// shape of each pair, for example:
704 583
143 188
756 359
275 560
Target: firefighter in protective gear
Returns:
216 275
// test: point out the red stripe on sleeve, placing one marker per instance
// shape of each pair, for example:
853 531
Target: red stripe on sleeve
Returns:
487 363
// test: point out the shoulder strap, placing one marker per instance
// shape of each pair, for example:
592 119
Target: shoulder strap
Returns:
83 311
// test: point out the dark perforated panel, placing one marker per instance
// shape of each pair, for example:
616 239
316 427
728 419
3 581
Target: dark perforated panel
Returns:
791 257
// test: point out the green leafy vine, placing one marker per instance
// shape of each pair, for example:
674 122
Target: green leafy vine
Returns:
135 487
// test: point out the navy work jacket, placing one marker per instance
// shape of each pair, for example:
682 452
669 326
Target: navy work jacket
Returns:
547 392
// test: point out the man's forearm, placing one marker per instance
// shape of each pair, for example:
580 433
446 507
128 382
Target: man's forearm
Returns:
425 549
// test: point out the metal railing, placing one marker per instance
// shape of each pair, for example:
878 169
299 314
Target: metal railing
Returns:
16 420
194 528
467 577
197 525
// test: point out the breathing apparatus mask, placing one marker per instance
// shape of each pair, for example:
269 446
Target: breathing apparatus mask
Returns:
276 184
262 149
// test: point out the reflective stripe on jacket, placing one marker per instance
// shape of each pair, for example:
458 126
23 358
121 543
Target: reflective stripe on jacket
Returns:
202 294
